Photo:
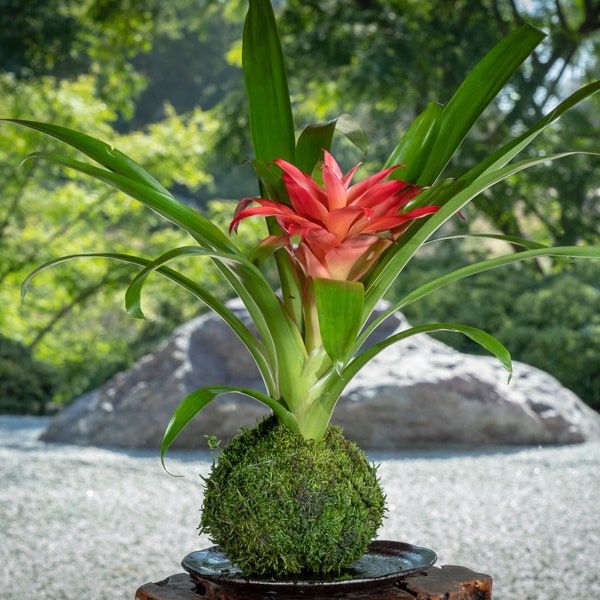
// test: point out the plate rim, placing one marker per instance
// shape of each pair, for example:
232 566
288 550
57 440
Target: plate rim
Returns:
388 548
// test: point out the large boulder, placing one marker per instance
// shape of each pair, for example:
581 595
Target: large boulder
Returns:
417 392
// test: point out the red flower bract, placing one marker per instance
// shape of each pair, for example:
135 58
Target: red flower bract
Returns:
336 231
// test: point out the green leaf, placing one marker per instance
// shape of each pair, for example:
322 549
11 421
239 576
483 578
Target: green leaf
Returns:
453 198
571 252
255 348
312 141
339 307
133 294
197 400
484 339
277 329
509 239
476 180
316 138
414 147
347 126
335 386
271 121
280 334
202 229
475 93
507 152
104 154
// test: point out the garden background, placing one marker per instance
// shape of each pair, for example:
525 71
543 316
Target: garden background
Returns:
162 82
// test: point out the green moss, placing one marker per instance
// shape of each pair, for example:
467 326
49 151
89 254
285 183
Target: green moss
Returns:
279 505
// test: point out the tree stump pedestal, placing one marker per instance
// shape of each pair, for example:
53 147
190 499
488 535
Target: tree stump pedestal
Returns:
448 582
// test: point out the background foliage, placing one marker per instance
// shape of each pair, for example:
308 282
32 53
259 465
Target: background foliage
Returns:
172 97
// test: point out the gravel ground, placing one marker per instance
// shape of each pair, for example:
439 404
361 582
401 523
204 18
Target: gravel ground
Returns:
94 523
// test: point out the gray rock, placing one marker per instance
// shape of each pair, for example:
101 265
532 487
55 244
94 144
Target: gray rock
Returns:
416 392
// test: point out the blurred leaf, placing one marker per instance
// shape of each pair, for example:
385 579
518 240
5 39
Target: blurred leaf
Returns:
354 132
316 138
311 143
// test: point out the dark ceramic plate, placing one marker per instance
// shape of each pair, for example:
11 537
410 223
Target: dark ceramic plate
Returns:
385 563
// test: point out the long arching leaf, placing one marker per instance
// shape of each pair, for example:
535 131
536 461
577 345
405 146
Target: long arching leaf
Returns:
134 290
510 150
104 154
253 345
283 345
479 267
199 227
256 294
197 400
278 331
484 339
392 264
571 252
336 384
445 192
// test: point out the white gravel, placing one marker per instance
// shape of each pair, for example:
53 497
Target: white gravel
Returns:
96 524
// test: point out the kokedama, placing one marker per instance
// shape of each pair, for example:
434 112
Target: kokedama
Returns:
292 496
278 503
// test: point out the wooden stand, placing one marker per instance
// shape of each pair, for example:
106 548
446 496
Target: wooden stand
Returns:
435 583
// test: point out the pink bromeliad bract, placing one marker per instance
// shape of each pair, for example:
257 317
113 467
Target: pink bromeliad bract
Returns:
338 230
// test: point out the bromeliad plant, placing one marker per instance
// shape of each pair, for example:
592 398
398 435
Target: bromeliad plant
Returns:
338 246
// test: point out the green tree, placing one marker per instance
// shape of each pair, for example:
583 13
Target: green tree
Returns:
72 318
100 38
26 385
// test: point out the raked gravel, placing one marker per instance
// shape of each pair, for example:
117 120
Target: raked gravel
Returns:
94 523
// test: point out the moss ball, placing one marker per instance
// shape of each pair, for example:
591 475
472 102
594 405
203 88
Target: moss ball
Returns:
282 506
